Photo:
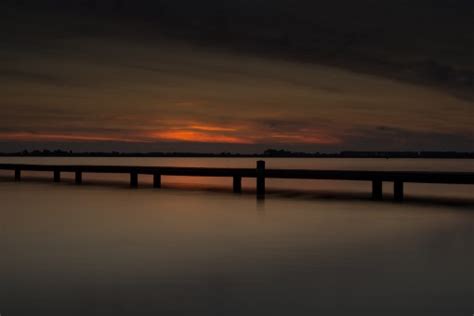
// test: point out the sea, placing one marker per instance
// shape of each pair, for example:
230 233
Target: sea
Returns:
194 247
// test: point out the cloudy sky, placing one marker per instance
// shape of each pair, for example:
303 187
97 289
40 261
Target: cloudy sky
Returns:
237 75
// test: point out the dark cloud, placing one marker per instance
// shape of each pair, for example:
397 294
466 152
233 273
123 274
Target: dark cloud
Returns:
422 41
31 76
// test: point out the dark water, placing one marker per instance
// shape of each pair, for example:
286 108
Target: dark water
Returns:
107 250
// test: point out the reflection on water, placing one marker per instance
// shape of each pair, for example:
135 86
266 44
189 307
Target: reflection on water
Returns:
109 250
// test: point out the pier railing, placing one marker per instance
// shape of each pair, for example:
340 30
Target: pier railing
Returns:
260 173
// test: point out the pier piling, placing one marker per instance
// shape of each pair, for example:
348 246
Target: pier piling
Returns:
134 180
157 180
377 193
17 174
57 176
78 177
398 191
260 179
237 184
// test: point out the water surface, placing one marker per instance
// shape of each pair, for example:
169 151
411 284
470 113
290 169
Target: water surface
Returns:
103 249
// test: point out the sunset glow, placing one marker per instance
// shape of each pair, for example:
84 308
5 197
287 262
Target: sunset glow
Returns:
199 137
212 128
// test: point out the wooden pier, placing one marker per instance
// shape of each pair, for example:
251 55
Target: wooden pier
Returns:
260 173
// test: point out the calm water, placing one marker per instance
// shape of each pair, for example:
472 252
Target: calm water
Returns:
194 248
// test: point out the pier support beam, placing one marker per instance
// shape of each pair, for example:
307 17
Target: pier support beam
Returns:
377 190
134 180
237 184
157 180
260 179
78 177
398 191
17 174
57 176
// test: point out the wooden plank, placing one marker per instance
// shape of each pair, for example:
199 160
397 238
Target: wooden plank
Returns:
356 175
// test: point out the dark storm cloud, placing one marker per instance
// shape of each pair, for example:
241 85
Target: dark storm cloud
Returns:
427 42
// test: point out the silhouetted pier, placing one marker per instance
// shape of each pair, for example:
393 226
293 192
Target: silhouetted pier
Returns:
260 173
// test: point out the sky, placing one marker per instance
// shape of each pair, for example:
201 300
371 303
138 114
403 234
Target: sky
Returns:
237 75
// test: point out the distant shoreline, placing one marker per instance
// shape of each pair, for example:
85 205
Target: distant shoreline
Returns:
271 153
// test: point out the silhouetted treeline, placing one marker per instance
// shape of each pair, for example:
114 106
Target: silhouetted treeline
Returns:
275 153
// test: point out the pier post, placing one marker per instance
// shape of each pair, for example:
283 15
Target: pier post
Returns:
157 180
398 191
17 174
237 184
377 190
133 180
260 179
57 176
78 177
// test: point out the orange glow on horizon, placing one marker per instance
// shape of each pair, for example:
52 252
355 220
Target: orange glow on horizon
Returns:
195 132
211 128
198 137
